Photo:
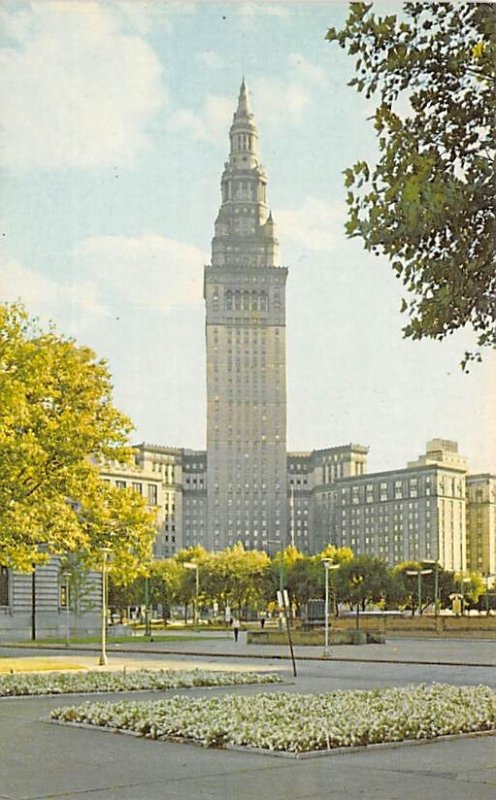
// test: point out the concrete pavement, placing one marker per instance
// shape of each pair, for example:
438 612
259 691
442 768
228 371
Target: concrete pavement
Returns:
475 652
39 760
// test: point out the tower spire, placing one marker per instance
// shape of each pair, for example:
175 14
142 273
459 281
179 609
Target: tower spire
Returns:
244 233
243 105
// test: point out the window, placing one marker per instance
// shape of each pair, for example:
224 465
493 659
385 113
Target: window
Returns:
152 494
120 484
4 586
138 487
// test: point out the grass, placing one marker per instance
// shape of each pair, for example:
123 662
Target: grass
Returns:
36 665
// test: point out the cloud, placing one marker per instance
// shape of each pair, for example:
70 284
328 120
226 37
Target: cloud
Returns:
70 301
316 225
210 59
75 91
150 272
306 70
263 8
210 124
277 101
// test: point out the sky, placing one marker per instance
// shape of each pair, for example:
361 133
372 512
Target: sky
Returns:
115 120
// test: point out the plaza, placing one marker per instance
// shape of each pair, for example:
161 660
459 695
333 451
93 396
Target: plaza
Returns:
42 760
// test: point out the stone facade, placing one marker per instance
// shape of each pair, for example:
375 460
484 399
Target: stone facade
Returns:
33 605
481 523
409 514
244 290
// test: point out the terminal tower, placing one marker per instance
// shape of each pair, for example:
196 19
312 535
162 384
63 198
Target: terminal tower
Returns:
244 291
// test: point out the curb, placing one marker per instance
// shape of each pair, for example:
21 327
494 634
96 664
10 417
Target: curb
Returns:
117 650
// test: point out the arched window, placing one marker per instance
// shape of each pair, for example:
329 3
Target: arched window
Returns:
263 301
237 299
4 586
246 301
229 300
254 301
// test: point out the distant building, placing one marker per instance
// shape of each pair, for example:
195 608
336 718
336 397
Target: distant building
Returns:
311 477
408 514
481 523
244 290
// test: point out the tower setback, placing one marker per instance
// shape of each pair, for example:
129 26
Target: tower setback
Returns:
244 291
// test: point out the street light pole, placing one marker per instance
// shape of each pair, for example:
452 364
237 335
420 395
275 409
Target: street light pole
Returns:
147 602
281 570
67 576
488 576
419 573
327 567
435 564
105 551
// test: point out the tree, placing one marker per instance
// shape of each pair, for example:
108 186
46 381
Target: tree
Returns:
238 577
363 580
165 581
429 203
56 422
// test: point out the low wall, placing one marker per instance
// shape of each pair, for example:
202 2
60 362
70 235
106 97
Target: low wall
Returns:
475 627
316 637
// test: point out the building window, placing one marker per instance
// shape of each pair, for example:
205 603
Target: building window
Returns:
4 586
152 494
120 484
138 487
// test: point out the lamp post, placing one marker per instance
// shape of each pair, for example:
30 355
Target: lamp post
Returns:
66 576
488 576
435 564
281 571
147 603
327 566
463 580
105 551
419 573
192 565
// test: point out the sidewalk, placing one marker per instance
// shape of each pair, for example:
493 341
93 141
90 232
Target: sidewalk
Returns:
43 762
476 653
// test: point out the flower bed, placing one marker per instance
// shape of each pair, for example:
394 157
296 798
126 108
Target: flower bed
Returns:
297 723
66 683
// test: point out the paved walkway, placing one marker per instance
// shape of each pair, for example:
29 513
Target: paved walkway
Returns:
469 652
39 761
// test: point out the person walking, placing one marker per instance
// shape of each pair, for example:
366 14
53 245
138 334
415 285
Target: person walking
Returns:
236 627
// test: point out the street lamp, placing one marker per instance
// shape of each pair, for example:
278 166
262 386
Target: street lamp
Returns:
463 579
192 565
435 564
105 552
148 627
66 576
327 566
281 571
419 573
488 576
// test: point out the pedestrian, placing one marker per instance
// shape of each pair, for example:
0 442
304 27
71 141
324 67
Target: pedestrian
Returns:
262 622
235 626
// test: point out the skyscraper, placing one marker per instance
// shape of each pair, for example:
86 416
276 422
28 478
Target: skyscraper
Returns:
244 291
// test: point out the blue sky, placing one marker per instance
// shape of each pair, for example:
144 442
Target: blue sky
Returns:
115 132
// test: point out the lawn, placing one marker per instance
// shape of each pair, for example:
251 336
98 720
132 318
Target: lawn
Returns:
10 664
298 723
